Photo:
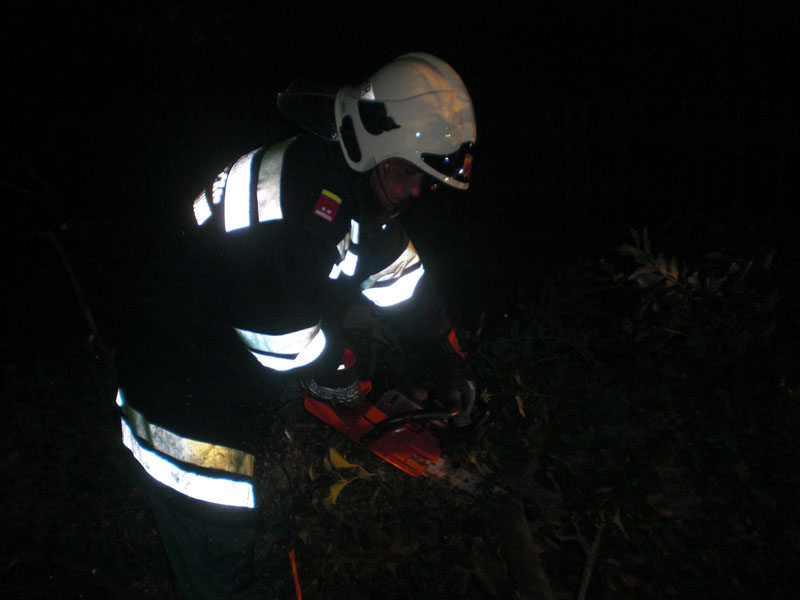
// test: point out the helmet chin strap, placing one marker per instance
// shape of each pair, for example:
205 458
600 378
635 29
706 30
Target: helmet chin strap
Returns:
385 168
377 208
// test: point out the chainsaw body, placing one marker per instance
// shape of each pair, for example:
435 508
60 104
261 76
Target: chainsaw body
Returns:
394 428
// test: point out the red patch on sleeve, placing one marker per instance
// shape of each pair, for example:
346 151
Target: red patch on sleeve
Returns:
327 205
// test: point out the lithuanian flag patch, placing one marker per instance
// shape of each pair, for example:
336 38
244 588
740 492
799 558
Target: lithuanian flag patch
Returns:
327 205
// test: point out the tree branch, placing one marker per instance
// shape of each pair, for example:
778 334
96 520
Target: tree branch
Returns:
591 557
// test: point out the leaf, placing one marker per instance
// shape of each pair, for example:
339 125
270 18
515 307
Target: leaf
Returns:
482 468
649 279
662 263
336 489
312 473
335 462
640 257
618 522
520 406
673 268
642 272
636 238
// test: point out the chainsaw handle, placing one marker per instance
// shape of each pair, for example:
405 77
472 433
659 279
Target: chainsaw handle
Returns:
414 416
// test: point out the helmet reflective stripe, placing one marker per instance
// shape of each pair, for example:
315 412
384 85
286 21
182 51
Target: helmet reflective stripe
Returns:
296 349
201 454
416 105
397 282
349 258
219 490
234 187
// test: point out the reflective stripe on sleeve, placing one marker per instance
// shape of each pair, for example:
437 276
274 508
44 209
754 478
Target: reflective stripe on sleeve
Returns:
297 348
349 258
347 266
268 190
235 188
398 291
218 490
397 282
237 193
218 187
202 211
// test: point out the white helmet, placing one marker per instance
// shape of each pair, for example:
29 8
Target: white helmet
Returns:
415 108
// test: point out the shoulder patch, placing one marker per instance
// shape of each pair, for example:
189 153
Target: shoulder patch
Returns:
327 205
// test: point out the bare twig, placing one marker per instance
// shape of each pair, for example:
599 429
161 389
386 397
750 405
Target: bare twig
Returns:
49 192
591 557
76 288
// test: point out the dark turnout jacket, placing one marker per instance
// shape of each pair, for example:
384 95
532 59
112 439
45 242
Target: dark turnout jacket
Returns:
246 292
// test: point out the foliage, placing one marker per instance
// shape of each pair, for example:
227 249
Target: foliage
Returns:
643 407
657 399
74 525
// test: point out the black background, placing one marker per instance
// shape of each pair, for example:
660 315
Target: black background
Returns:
593 117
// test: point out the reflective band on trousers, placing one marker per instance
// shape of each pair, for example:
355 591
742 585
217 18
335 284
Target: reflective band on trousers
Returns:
216 489
201 487
202 454
298 348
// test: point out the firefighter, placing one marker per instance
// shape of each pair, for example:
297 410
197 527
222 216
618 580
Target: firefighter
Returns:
242 300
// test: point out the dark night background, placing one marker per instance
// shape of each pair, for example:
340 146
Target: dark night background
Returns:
593 117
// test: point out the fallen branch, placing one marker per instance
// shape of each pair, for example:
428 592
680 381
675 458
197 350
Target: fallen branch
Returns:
522 559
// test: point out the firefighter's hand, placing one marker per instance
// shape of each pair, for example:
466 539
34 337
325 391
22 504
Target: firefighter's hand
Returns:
460 394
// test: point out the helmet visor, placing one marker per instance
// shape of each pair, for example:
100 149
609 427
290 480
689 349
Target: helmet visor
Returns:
456 165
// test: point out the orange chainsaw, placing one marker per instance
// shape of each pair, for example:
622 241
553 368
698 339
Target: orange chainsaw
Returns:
396 428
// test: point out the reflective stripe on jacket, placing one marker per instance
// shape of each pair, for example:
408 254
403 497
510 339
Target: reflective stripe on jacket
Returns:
266 261
197 469
249 192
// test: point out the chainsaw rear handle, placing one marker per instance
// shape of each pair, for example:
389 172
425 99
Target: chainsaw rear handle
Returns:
414 416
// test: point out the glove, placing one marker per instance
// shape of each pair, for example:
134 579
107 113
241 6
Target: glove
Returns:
454 389
460 395
340 388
